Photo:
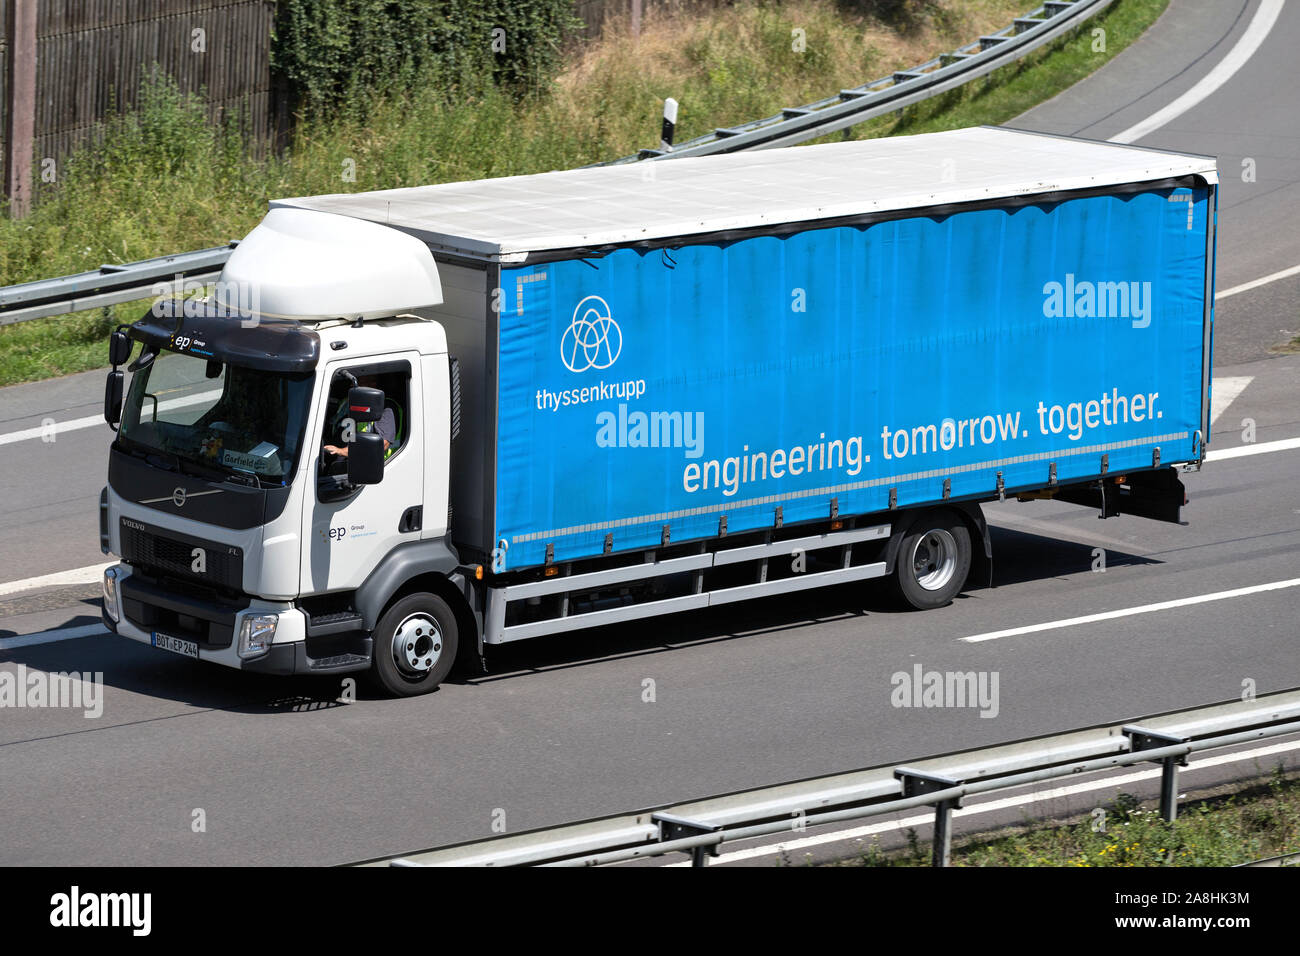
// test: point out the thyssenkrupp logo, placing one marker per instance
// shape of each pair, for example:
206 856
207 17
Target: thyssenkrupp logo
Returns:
593 339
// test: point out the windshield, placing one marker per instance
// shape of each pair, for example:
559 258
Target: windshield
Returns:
236 420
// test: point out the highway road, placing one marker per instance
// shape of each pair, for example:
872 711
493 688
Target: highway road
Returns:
743 696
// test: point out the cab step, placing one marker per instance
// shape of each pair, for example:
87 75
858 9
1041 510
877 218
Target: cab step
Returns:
339 662
337 622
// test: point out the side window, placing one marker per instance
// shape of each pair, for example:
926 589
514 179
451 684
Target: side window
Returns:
394 425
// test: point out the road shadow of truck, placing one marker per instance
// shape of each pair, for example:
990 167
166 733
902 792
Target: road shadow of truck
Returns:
137 669
1022 556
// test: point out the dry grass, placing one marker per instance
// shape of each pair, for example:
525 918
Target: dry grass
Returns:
733 64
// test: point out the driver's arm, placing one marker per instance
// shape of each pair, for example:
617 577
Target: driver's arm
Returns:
386 427
342 450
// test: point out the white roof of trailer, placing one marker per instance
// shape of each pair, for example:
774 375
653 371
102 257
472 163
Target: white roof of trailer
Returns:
514 215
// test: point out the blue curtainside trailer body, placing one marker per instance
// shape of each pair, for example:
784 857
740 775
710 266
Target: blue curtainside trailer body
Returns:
663 393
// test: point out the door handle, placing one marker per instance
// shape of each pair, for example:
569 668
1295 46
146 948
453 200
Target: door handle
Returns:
412 520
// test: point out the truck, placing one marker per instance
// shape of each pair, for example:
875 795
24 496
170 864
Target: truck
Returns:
408 426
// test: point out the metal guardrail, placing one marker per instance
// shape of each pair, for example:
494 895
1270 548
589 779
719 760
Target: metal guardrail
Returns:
700 827
902 88
112 284
1288 859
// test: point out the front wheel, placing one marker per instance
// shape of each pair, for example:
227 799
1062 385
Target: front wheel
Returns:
415 645
933 561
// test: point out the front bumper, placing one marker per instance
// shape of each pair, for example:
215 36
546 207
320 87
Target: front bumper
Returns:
142 605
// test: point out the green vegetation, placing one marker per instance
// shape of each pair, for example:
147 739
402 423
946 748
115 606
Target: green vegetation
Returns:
1255 823
335 54
43 348
164 179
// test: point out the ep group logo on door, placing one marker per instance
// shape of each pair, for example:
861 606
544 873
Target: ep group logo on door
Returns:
593 339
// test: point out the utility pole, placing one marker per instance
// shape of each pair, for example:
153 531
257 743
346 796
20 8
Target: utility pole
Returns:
20 111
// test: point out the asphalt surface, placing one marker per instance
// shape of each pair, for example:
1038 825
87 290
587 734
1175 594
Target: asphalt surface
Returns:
743 696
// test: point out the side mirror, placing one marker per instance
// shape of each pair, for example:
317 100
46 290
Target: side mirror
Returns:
366 458
365 404
119 348
113 398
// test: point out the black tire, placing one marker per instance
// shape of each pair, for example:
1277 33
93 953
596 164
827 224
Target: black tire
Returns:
933 561
428 647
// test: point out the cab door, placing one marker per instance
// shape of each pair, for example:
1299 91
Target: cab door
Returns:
348 529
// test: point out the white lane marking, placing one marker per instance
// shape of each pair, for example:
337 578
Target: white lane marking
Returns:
1130 611
92 420
1004 803
51 637
1237 57
1256 283
59 428
1224 392
87 575
1262 448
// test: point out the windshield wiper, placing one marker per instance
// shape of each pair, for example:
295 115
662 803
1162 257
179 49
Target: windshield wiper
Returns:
156 457
197 470
244 478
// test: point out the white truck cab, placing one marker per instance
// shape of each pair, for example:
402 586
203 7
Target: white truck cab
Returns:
223 500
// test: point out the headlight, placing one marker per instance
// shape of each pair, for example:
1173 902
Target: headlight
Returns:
256 634
110 594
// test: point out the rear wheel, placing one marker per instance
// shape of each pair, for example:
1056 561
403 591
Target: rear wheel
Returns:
415 645
933 560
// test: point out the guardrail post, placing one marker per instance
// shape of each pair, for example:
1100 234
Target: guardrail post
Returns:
677 828
917 783
1143 739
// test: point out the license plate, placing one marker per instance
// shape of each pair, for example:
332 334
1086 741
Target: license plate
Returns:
176 645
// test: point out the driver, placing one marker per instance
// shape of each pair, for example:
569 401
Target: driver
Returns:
386 426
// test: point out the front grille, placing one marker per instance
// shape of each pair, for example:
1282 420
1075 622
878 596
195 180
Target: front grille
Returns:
173 554
181 610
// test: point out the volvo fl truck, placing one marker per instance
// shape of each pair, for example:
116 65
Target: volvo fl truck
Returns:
405 426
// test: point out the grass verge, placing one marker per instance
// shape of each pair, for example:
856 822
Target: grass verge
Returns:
162 179
1256 821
